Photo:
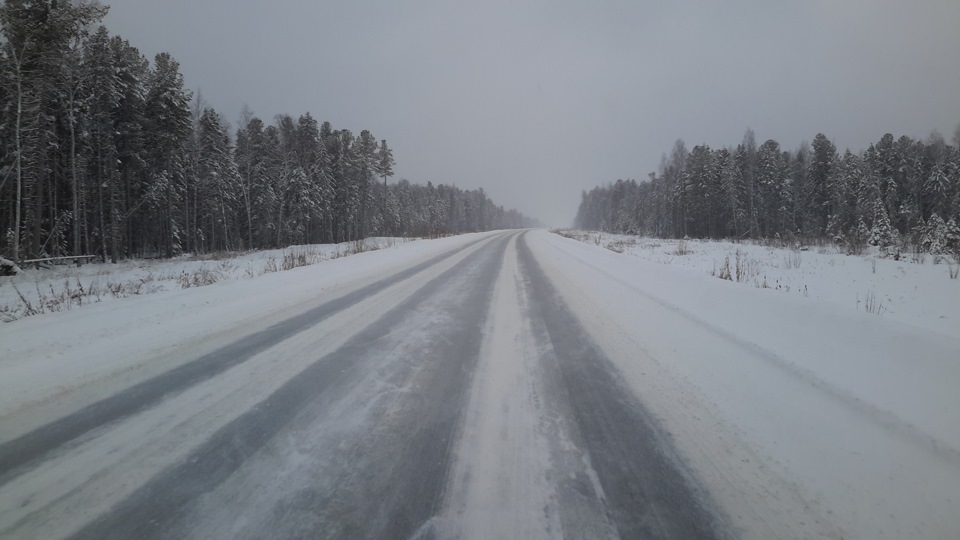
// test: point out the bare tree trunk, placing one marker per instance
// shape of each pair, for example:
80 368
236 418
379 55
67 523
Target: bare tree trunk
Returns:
54 219
85 225
280 223
114 220
103 243
169 218
127 214
185 242
36 188
223 217
73 177
16 222
246 203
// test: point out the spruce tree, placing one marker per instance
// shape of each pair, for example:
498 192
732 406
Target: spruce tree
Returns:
882 234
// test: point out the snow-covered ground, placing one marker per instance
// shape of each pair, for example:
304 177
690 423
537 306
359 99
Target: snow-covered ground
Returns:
800 415
64 287
116 342
912 290
806 416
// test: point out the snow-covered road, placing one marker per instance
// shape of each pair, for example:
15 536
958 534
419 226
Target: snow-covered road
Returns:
501 385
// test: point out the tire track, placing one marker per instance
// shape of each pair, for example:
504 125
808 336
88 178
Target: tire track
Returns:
383 480
646 491
20 453
502 483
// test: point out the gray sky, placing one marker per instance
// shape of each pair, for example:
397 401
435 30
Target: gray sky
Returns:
535 101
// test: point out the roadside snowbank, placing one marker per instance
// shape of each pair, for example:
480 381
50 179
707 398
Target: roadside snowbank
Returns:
912 290
35 291
805 417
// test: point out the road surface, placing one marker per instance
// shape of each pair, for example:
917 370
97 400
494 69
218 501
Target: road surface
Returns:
457 398
475 392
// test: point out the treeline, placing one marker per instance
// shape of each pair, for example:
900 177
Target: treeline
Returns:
897 192
103 153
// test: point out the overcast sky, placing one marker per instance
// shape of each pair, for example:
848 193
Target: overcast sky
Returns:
535 100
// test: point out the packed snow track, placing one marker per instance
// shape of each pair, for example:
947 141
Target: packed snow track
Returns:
477 387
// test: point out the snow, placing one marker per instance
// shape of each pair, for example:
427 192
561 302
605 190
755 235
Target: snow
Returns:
103 348
802 414
503 448
912 290
805 416
107 344
8 267
50 289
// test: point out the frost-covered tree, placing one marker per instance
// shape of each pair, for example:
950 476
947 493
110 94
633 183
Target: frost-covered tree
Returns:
731 179
951 239
217 183
129 124
882 234
385 161
105 155
167 128
934 239
821 169
38 37
105 94
893 188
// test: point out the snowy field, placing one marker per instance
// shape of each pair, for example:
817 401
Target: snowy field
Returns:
799 415
805 415
913 290
65 287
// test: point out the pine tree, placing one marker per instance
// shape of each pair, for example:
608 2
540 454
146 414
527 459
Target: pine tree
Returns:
385 161
167 128
129 124
314 201
804 222
934 237
885 169
217 185
749 172
367 166
104 100
770 179
882 234
248 160
951 239
100 144
821 169
38 37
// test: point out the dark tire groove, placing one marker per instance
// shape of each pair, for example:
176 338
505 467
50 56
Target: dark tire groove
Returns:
647 494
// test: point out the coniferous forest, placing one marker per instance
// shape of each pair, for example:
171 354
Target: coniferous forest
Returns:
105 153
899 193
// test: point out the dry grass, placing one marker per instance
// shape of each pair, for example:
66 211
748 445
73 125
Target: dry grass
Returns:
743 270
792 259
619 246
72 294
871 303
216 267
